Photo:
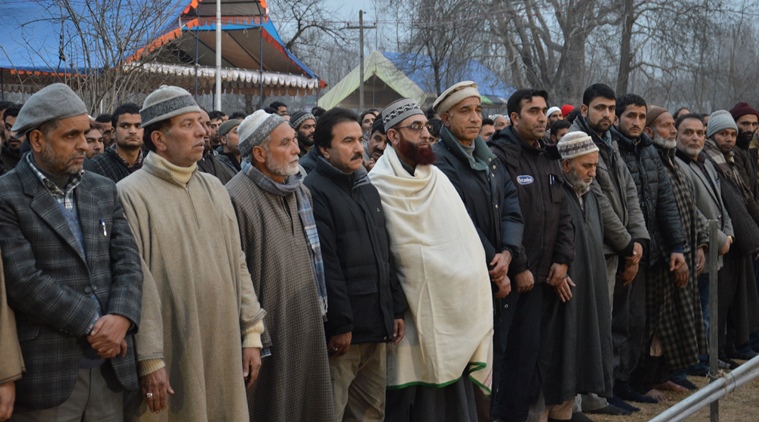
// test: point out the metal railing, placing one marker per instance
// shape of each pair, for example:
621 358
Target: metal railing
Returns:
711 393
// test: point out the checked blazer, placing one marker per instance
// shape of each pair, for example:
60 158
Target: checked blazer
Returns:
50 283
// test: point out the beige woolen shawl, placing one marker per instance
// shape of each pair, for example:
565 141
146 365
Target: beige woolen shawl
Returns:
442 268
11 361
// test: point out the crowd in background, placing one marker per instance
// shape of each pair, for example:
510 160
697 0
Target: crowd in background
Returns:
165 262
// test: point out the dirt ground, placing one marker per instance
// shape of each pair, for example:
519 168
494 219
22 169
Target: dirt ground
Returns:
742 405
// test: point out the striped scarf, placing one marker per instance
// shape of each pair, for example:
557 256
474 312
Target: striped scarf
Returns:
306 214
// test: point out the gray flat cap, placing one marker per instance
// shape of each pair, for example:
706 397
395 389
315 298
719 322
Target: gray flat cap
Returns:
53 102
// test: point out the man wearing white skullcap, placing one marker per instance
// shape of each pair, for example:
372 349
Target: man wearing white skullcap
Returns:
202 323
488 194
576 325
283 252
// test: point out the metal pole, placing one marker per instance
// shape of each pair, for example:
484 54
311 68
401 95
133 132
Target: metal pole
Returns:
711 392
261 63
713 315
218 55
361 64
197 44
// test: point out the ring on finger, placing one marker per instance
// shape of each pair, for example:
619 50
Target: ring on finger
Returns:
149 395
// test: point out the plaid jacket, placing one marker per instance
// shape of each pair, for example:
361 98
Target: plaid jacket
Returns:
109 164
50 283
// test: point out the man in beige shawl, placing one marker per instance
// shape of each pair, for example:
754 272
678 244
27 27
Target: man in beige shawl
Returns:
11 361
442 269
200 339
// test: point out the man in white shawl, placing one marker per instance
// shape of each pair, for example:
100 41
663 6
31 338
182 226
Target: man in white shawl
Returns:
441 267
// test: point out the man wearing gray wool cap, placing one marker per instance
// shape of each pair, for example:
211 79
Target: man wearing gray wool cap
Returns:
72 270
283 253
202 323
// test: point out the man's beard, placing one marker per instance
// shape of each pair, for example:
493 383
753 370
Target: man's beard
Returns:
305 140
744 139
56 162
664 143
689 151
416 154
578 185
597 126
285 170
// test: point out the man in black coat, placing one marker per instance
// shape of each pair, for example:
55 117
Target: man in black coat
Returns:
489 197
366 302
662 262
72 269
546 252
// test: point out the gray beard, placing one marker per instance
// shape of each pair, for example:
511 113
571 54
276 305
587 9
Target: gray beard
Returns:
578 185
664 143
689 151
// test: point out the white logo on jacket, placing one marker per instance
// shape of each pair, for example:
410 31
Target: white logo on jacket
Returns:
525 179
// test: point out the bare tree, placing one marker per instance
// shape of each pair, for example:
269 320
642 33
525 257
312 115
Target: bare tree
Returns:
104 44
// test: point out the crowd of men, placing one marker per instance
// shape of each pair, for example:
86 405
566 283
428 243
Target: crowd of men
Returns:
168 263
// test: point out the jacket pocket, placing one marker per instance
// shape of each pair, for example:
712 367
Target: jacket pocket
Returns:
557 191
27 331
362 286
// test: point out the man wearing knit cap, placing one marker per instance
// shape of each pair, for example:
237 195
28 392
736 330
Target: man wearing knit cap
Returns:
283 252
738 297
308 155
544 255
72 270
576 354
230 140
644 327
747 120
747 161
487 192
439 259
200 342
304 124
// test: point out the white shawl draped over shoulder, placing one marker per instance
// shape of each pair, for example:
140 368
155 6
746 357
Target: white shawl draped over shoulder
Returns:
442 268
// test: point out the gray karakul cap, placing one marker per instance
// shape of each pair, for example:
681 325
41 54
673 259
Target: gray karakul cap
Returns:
165 103
53 102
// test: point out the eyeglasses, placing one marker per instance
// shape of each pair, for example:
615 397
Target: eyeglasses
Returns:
417 127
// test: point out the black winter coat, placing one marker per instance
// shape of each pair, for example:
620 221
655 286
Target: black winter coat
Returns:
545 207
657 201
363 292
489 195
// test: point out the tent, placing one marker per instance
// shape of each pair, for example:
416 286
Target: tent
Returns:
389 76
44 42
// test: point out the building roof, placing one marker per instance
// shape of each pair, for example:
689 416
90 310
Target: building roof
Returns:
41 47
389 76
